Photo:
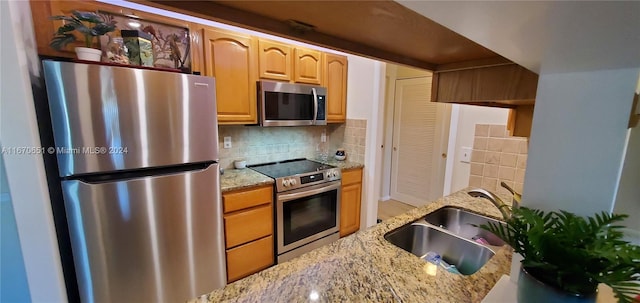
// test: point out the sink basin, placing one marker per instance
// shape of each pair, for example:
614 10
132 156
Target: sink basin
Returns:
419 239
460 222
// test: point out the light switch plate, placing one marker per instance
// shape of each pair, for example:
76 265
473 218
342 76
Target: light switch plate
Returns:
227 142
465 154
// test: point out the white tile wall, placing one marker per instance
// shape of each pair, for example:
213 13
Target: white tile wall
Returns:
497 157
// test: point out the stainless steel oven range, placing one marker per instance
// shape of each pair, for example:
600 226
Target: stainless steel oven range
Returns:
307 205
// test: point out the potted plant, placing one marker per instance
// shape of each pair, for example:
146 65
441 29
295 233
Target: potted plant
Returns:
90 25
567 256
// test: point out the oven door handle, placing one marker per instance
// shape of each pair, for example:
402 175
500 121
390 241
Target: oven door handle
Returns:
305 192
315 105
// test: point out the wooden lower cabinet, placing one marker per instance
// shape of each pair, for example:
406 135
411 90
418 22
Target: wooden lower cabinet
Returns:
244 226
350 201
249 258
248 230
243 199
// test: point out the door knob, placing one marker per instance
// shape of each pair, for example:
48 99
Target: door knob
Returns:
444 155
395 148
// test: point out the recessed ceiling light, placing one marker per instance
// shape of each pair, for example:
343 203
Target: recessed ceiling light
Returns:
134 24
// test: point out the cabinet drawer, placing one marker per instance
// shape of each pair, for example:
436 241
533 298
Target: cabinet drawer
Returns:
245 226
247 198
249 258
352 176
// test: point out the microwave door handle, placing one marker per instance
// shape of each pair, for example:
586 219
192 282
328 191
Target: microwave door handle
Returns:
315 105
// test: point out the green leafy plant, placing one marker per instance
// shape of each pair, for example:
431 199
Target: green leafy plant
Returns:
89 24
573 253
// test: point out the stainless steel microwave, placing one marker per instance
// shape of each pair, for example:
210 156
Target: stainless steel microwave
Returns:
287 104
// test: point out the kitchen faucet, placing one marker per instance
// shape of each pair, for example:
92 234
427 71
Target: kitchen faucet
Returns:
502 207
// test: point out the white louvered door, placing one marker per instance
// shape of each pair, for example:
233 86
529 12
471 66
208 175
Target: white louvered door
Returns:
420 135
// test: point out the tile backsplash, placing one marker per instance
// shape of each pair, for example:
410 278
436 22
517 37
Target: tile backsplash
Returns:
352 137
267 144
497 157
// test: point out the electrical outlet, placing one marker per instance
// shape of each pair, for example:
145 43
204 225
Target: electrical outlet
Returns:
465 154
227 142
323 136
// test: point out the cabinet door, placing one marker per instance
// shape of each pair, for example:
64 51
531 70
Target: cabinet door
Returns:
307 66
335 79
232 59
275 60
350 209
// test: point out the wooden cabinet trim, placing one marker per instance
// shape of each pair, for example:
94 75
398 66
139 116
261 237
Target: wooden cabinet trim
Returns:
249 258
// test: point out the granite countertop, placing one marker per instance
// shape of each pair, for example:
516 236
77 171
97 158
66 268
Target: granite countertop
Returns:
235 179
364 267
344 165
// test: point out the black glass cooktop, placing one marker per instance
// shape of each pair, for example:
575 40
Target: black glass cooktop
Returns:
289 168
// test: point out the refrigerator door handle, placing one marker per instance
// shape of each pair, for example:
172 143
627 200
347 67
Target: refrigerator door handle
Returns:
137 174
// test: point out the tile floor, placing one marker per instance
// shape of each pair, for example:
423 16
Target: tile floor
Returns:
391 208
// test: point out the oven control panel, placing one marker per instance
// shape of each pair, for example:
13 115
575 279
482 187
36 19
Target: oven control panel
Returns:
302 180
332 174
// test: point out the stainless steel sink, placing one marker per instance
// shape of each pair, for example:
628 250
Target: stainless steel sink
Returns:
460 222
419 239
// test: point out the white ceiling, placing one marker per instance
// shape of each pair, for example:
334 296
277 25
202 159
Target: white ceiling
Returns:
547 36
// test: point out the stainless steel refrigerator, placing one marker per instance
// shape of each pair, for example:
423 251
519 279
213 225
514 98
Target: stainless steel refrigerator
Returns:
137 153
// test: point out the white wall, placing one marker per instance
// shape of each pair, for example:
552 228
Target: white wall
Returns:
365 100
25 173
578 139
463 121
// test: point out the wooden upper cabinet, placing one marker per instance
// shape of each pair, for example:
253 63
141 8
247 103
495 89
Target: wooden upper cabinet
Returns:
520 120
276 60
233 60
502 84
45 28
307 66
335 79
